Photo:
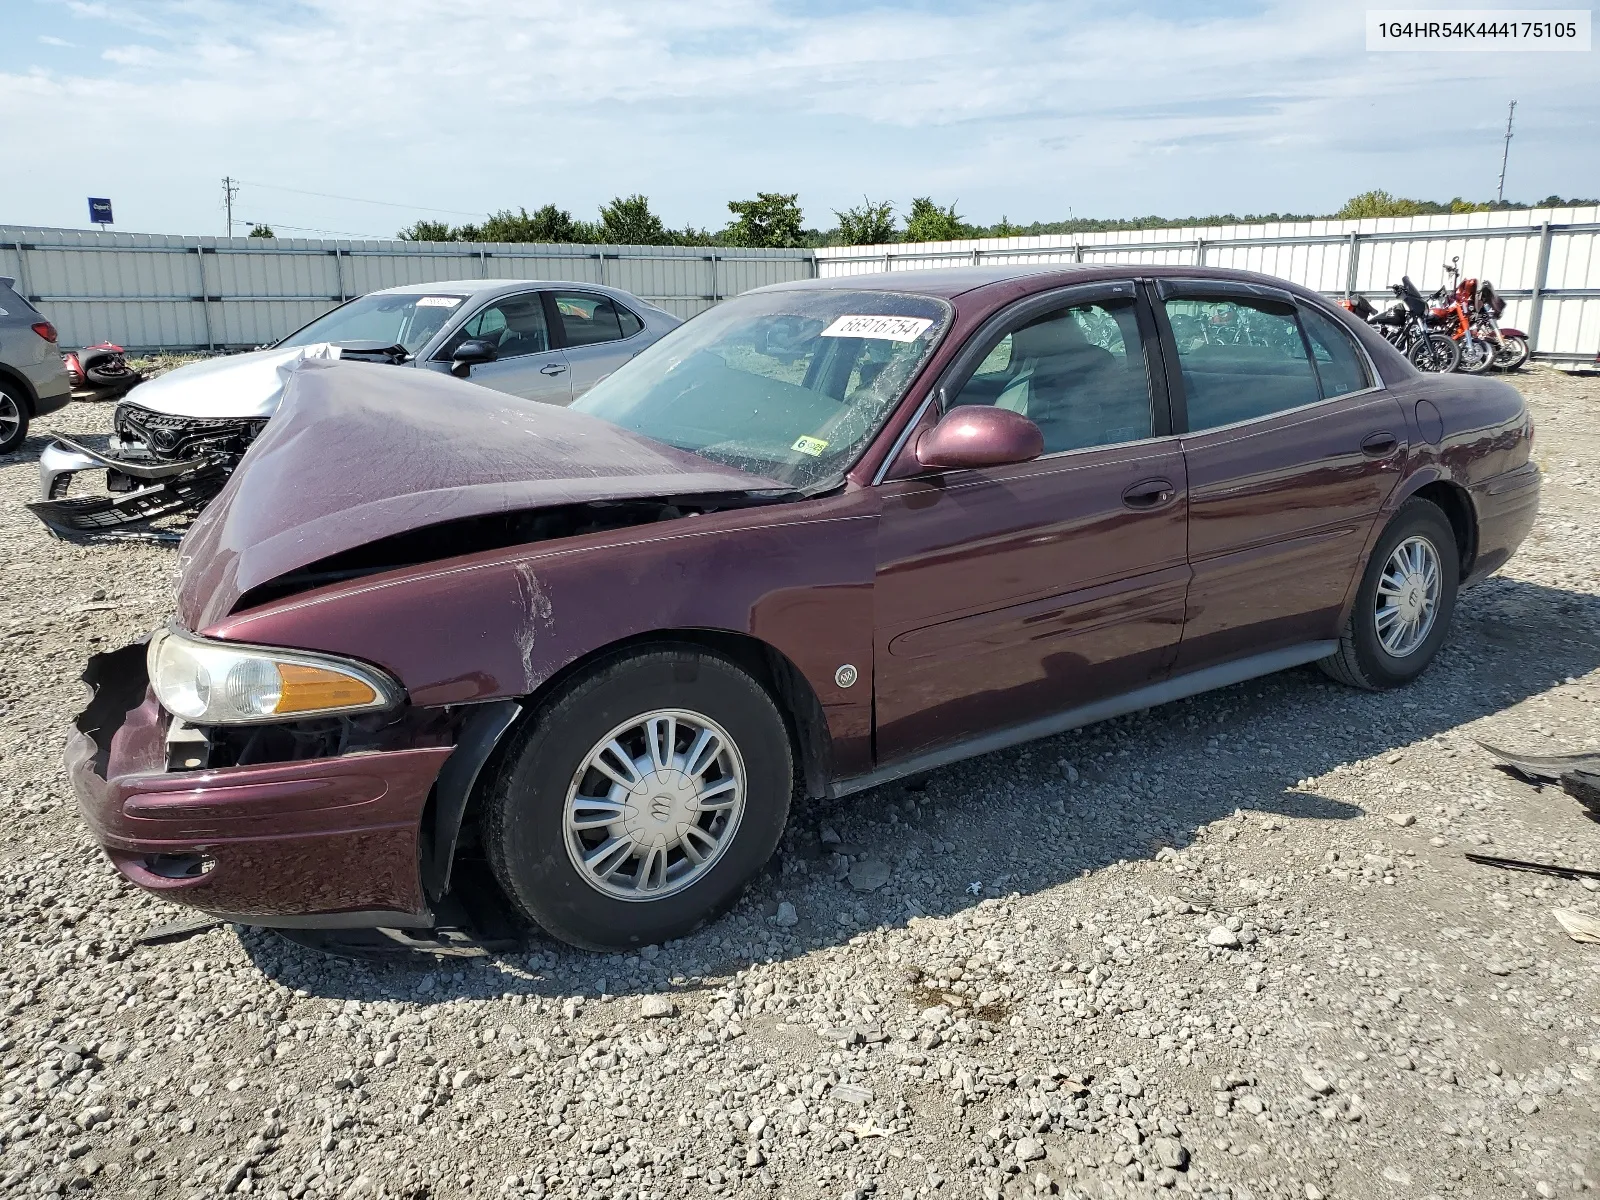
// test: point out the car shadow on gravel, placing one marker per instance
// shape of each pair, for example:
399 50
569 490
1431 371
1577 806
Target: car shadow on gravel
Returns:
1036 816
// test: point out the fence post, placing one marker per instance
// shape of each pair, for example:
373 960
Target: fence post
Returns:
713 259
1541 271
22 272
816 265
338 272
205 296
1350 267
1199 252
1077 252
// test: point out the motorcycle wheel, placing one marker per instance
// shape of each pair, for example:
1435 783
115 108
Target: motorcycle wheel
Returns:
1435 353
1476 357
1512 355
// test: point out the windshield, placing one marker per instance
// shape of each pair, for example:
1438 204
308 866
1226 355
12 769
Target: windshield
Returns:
786 384
380 320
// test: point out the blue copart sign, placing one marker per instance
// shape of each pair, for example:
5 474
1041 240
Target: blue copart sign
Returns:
99 210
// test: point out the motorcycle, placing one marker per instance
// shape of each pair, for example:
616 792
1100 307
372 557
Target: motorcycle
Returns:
1452 311
1405 326
100 372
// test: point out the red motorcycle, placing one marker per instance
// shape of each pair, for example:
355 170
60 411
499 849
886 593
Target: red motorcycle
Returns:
1469 311
100 372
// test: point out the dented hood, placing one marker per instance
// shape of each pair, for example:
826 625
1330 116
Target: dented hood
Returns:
359 452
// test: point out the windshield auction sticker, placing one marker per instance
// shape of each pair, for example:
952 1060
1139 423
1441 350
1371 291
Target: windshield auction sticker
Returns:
438 301
1539 29
892 329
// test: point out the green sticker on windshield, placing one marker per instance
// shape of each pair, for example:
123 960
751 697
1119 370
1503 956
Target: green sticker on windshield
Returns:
809 445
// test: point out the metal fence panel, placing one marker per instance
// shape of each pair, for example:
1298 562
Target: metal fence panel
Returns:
162 291
1545 261
150 291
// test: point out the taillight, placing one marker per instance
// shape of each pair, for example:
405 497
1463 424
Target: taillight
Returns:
45 330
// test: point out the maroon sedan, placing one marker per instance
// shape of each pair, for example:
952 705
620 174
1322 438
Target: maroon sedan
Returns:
826 535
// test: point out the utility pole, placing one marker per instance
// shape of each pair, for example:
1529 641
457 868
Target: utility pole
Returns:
1506 153
230 189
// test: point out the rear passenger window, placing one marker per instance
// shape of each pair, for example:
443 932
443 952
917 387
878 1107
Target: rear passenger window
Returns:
1339 364
587 320
630 323
1240 359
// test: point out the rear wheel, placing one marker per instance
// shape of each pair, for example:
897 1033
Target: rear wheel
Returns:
1402 610
1435 353
641 801
13 419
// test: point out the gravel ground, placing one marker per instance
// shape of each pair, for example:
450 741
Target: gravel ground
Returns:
1229 947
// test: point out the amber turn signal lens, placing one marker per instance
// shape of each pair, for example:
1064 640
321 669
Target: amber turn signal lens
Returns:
308 689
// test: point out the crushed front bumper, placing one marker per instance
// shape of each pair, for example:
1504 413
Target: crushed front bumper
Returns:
327 843
154 489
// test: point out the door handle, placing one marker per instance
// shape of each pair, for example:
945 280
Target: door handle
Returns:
1152 493
551 369
1379 445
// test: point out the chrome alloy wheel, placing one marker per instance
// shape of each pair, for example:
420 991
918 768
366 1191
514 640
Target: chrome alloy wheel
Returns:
654 804
10 417
1407 600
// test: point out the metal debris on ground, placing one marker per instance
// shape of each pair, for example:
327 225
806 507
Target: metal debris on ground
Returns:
176 931
1519 864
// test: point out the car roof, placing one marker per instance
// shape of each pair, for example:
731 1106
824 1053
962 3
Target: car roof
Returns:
476 286
950 282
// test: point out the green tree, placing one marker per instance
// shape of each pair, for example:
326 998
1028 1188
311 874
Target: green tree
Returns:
628 221
772 219
547 224
1379 203
428 231
262 231
867 224
930 223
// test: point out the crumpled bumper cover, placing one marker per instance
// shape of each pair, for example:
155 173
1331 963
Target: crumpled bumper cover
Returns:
319 842
163 488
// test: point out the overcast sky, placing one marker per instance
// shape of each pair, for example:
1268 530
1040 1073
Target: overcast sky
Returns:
1030 111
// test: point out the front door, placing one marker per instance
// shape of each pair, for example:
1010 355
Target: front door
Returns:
1291 448
1009 594
526 364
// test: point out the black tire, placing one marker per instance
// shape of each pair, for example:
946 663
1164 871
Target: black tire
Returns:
1361 660
1435 353
1513 356
524 826
13 418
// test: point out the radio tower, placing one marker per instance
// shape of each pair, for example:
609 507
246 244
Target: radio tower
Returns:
1505 154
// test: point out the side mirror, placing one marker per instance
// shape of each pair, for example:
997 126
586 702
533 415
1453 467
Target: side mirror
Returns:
469 354
975 435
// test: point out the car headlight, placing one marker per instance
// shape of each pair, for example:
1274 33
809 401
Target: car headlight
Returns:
222 683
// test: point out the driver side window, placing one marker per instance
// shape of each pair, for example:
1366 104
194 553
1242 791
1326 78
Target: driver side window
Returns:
1078 373
514 326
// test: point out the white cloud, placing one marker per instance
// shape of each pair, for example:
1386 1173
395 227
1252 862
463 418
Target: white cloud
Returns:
49 40
1024 109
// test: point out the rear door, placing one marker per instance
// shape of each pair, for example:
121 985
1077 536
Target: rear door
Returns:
528 364
1291 450
1013 593
598 334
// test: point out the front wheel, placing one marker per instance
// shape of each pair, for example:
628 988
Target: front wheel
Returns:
13 420
1513 355
1435 353
1477 356
641 800
1402 609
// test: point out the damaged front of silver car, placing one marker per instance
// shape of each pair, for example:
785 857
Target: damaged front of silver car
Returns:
175 441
